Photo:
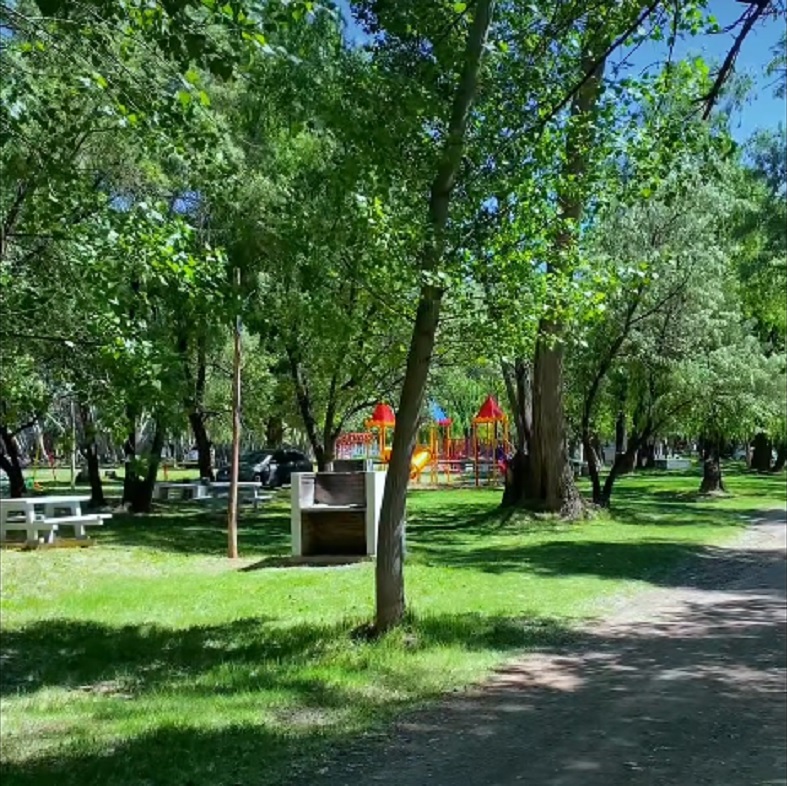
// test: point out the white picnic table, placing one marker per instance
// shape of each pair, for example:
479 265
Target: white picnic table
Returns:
197 490
245 486
38 517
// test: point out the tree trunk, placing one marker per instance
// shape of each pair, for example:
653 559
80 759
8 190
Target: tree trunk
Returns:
12 466
389 574
593 467
304 399
761 457
620 433
781 457
130 458
274 431
712 481
197 421
516 479
329 438
624 462
520 399
90 447
551 483
141 490
194 402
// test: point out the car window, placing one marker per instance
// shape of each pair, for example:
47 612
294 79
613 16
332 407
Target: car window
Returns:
255 456
294 456
280 456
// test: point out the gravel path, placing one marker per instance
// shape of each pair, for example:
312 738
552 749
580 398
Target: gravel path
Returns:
681 685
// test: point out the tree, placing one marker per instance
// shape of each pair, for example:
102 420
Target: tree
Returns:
389 567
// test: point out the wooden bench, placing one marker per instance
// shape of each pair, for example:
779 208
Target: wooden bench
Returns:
335 513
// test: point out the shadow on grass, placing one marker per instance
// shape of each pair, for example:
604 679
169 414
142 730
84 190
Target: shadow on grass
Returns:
697 696
186 529
141 659
657 562
711 675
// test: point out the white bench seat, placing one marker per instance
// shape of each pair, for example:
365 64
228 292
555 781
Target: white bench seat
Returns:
33 530
325 508
78 522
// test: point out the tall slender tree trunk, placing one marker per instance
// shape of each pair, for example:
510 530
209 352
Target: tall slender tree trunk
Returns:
620 433
130 457
389 574
551 484
90 447
194 401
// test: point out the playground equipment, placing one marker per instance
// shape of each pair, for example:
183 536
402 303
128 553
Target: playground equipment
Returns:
490 441
422 458
481 453
32 483
382 419
354 445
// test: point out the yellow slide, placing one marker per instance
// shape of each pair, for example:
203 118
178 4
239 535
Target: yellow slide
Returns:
421 458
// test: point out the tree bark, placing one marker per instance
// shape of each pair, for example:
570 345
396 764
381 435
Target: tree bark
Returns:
274 431
624 462
551 484
130 458
712 480
12 466
141 490
520 399
761 457
781 457
90 447
389 574
198 428
194 402
304 400
519 389
620 433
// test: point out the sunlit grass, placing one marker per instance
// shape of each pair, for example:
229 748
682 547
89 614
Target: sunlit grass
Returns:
151 658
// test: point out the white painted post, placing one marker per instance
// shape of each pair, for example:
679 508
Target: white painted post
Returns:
374 486
295 512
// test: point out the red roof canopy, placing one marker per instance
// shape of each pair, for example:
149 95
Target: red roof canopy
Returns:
490 412
383 415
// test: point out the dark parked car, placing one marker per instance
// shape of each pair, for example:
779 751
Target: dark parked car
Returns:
270 467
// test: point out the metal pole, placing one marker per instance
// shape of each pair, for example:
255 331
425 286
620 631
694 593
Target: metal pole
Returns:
232 508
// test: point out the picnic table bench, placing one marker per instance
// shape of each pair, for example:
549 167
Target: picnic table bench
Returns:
37 517
207 491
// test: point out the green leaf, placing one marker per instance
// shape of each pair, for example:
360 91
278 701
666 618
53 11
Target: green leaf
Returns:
460 8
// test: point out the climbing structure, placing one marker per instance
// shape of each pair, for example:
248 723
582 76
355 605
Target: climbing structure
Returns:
491 445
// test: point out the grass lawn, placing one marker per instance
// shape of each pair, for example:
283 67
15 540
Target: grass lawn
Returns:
150 659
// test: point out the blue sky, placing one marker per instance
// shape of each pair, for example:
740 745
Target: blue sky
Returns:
763 110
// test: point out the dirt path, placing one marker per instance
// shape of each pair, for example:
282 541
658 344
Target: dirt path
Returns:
681 686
